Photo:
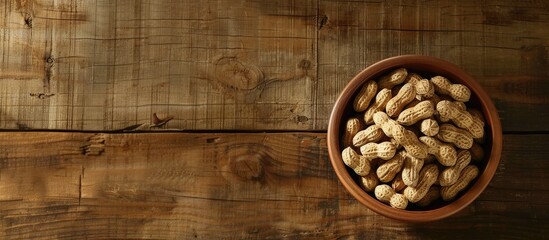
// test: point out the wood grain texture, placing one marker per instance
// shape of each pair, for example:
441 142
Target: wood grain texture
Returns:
107 65
247 64
104 65
502 44
232 186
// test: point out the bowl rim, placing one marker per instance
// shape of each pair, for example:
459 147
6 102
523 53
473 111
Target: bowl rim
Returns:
373 204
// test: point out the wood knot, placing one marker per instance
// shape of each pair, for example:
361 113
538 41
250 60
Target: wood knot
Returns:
304 64
247 166
28 20
322 21
301 119
244 163
50 59
235 75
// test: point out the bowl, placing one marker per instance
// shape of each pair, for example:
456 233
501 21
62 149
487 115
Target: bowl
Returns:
427 67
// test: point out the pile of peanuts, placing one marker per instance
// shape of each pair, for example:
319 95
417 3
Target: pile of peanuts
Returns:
412 140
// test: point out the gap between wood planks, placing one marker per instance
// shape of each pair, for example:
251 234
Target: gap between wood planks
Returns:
219 131
168 131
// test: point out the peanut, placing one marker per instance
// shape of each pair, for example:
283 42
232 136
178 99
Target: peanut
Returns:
371 134
358 163
392 79
398 201
362 100
410 171
413 78
432 195
467 175
477 114
427 177
458 92
406 94
422 110
383 150
429 127
460 105
410 142
387 124
387 171
459 137
386 194
450 175
369 182
477 152
398 184
381 101
461 118
424 89
352 127
444 153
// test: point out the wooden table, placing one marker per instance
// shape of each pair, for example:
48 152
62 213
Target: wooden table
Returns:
249 85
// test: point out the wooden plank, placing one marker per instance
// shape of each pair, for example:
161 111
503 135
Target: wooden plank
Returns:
503 44
212 186
107 65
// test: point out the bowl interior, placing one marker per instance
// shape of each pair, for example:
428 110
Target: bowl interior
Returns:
427 67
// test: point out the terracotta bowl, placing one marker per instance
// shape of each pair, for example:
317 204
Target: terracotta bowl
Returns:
426 67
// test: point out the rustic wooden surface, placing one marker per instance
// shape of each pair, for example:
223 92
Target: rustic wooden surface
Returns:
247 86
232 185
108 65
